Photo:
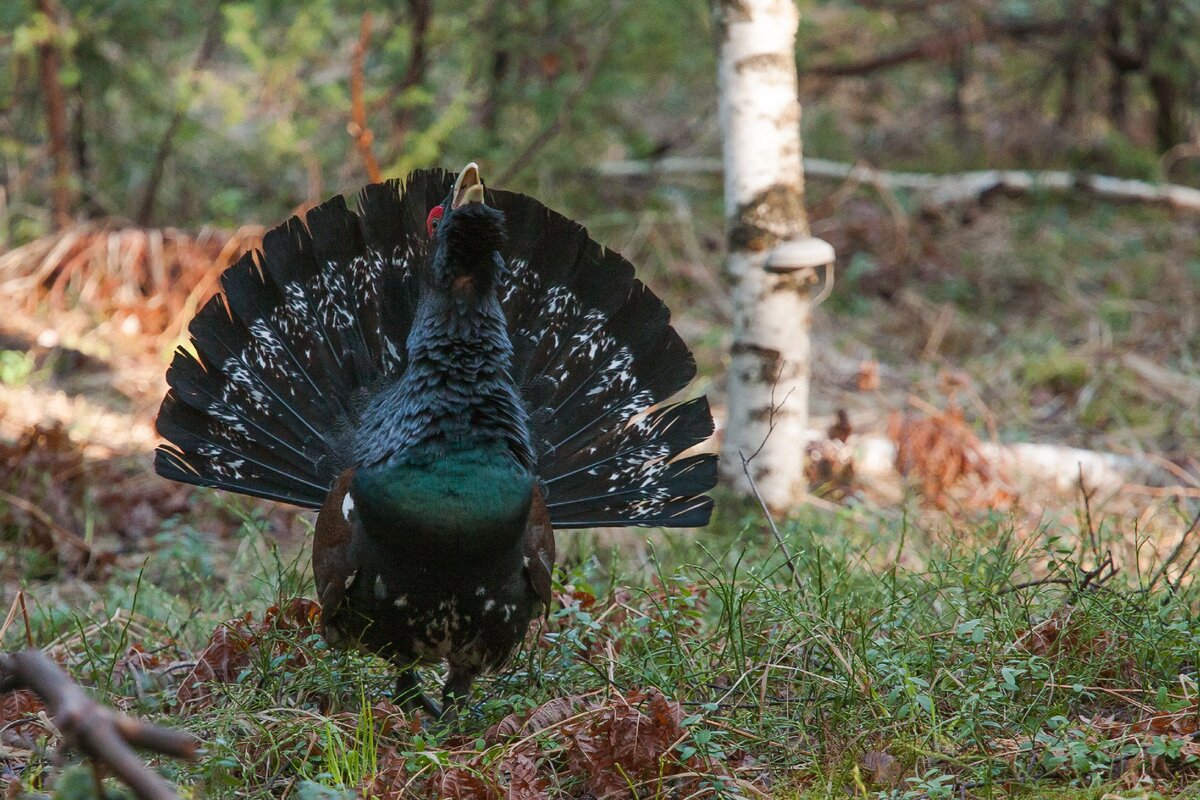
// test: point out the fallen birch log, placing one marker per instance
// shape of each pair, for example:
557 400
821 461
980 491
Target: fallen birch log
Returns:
940 191
1028 463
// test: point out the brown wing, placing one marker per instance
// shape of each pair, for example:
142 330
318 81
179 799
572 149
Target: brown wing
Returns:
333 567
538 546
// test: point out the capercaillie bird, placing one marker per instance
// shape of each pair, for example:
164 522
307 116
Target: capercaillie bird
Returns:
448 375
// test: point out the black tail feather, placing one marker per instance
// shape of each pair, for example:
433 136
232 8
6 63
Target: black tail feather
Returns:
194 389
650 440
593 351
272 478
319 318
639 456
678 501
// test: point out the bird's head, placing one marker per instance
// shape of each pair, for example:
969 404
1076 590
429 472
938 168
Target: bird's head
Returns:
466 236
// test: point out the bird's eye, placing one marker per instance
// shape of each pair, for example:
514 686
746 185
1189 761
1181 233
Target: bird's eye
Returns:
434 219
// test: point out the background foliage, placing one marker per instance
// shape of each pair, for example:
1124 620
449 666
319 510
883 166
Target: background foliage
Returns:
244 106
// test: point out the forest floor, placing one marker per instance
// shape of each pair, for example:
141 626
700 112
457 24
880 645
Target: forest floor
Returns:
955 631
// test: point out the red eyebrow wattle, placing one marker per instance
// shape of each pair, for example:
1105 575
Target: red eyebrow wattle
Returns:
435 214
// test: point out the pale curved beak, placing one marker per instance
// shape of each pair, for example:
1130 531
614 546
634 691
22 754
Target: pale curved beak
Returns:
468 188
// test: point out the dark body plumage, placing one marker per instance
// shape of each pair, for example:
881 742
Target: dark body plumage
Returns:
445 398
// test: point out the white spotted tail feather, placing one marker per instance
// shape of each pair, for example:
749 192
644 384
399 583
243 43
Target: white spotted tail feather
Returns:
309 329
593 352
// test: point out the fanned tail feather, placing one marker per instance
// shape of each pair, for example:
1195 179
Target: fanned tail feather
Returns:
301 330
309 327
595 355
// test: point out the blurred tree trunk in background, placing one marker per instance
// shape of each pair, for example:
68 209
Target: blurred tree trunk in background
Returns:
162 153
420 13
55 101
764 205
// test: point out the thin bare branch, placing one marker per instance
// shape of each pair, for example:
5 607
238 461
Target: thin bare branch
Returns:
1175 553
567 108
779 540
1087 511
212 37
363 137
943 46
775 532
1097 576
57 531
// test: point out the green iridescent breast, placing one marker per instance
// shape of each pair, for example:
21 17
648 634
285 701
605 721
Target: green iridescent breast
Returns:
475 493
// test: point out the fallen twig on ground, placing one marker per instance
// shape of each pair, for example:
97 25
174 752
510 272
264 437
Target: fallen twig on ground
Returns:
1161 572
106 736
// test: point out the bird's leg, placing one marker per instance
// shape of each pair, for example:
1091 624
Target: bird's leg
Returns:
455 692
410 697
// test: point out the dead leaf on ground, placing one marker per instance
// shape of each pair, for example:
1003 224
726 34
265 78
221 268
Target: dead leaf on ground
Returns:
868 376
1061 636
234 645
829 463
882 768
51 494
18 717
941 455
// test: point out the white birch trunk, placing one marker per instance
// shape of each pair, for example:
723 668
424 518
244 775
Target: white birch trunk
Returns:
764 205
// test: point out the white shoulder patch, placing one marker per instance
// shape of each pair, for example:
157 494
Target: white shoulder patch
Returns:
347 506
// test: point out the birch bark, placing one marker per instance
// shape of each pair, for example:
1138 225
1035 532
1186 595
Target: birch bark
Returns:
764 205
